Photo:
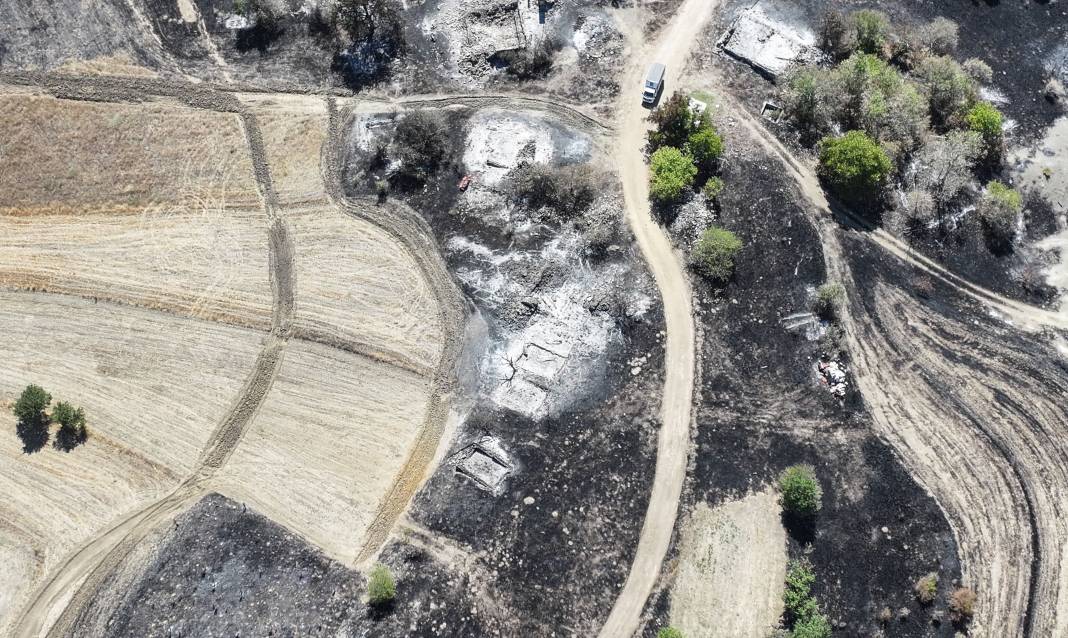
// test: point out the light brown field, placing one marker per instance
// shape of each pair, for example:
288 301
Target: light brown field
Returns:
731 569
327 444
69 156
358 289
153 386
294 131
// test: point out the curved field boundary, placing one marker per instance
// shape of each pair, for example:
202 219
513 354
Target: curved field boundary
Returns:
411 230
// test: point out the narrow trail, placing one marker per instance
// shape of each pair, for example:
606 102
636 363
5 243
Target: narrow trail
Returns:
670 275
89 565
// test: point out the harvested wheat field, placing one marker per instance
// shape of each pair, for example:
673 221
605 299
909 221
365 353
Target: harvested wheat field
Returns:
168 219
153 387
360 290
77 157
731 568
294 129
328 444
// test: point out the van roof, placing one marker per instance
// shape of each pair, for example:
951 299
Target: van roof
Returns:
656 71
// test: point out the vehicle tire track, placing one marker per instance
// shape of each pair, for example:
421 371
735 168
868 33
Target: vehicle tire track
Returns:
411 231
96 559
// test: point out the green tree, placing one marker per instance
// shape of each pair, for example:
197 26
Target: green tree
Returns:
31 405
801 492
71 425
998 209
854 166
421 143
672 173
814 626
674 121
872 29
669 632
381 588
705 147
985 120
714 253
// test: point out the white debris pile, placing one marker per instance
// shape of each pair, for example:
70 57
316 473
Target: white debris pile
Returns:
553 333
806 323
833 375
370 129
770 46
475 30
499 140
486 463
692 219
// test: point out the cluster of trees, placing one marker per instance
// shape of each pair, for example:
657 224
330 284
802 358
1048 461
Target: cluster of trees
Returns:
908 110
33 420
801 611
686 149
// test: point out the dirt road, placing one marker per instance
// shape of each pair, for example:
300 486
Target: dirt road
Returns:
670 274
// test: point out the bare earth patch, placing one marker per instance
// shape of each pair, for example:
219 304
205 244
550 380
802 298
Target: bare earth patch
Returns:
731 567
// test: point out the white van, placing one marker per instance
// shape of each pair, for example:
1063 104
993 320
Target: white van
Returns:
654 81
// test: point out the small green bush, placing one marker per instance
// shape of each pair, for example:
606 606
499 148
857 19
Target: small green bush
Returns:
31 404
984 119
926 588
801 492
669 632
672 173
829 298
814 626
381 588
998 209
872 29
797 597
705 147
854 166
714 253
713 188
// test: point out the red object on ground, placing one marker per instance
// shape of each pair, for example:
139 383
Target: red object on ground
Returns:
465 182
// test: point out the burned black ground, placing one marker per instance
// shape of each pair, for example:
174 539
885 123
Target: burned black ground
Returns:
762 408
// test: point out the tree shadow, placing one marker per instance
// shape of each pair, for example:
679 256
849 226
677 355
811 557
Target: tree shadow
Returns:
69 438
258 37
34 435
801 528
378 612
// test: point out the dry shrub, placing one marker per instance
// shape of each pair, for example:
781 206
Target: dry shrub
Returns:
962 605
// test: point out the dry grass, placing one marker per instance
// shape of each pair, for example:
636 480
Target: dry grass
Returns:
327 444
75 157
356 285
294 131
732 565
153 387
